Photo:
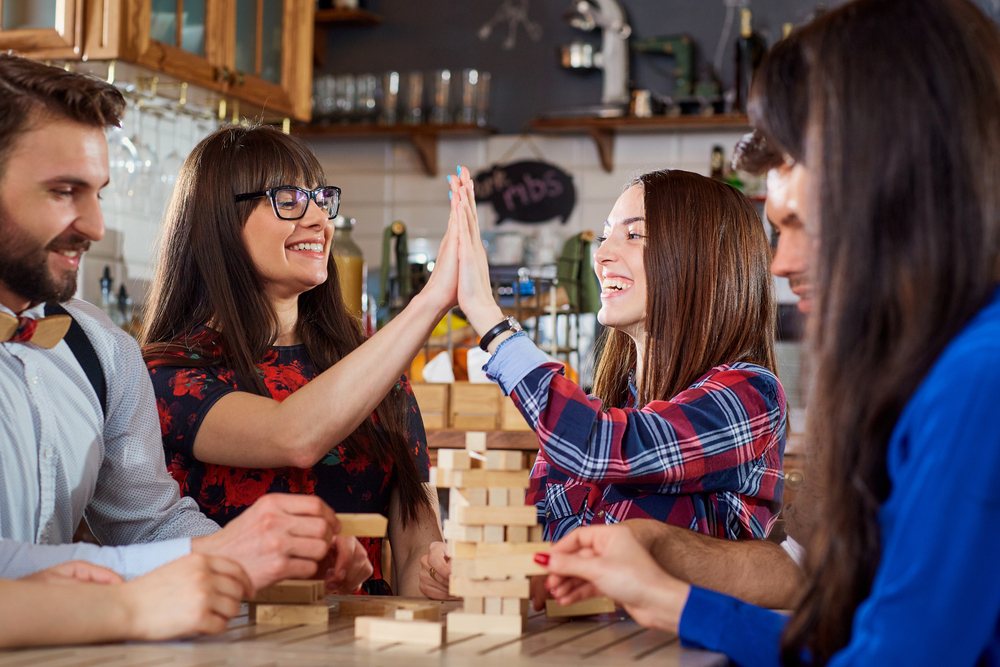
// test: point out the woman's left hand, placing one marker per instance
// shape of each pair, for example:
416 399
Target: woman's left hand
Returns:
346 566
435 570
611 560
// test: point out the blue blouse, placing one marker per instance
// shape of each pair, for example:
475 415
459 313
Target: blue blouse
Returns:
935 599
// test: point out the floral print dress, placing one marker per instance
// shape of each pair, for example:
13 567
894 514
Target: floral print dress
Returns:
348 481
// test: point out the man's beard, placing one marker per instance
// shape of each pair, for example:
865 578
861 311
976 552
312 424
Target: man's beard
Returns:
24 266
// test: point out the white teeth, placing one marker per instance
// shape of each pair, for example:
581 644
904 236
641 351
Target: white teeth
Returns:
611 284
314 247
69 253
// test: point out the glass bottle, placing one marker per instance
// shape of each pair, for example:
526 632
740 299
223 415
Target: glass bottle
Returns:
351 267
750 50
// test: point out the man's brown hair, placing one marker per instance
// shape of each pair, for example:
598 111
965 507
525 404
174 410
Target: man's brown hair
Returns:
29 90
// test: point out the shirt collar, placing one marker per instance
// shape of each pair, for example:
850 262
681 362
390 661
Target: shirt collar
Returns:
36 312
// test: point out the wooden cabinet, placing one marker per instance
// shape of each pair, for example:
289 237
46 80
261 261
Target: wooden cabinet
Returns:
42 28
257 52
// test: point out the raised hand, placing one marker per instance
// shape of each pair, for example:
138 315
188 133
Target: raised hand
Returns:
475 296
281 536
194 594
442 285
611 560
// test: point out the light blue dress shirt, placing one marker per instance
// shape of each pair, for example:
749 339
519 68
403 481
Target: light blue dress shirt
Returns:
62 459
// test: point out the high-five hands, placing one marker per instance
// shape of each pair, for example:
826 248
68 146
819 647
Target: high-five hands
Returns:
475 296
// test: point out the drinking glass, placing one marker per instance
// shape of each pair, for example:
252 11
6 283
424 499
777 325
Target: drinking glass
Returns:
390 97
440 112
414 98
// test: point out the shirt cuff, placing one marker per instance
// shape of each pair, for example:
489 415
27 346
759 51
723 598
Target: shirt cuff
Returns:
511 362
747 634
18 559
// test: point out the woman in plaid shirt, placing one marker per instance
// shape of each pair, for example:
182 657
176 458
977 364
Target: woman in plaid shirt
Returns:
686 424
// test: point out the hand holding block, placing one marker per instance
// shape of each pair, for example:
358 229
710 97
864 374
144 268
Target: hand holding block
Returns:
427 633
598 605
363 525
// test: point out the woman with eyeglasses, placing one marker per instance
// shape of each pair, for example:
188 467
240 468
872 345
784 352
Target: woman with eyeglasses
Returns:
264 382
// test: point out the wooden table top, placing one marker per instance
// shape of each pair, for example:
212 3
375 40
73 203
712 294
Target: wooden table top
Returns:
605 640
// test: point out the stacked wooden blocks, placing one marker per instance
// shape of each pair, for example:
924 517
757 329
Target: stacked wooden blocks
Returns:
492 536
291 602
405 622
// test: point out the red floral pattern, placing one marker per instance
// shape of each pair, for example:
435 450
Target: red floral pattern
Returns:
349 481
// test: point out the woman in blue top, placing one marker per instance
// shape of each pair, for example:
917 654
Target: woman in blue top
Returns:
900 186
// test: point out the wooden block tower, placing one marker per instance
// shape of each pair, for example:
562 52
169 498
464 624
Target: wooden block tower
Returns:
492 536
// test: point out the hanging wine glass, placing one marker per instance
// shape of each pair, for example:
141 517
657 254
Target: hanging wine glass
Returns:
172 162
145 171
122 159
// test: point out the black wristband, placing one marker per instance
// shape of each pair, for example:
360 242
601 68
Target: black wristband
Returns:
508 323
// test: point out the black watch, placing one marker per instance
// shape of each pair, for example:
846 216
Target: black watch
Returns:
508 324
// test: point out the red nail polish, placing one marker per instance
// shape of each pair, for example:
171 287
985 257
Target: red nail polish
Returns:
542 559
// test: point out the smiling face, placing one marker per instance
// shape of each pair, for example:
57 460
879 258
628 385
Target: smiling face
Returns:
785 210
49 210
619 266
291 255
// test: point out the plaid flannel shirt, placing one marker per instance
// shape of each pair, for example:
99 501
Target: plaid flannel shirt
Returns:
709 459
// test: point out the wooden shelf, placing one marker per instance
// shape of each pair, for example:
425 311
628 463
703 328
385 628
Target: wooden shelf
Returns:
602 130
525 441
424 138
326 18
342 16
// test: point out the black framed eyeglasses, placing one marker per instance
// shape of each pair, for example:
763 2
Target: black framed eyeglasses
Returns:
290 202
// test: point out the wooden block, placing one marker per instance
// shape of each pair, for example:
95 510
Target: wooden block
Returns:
431 397
465 550
499 497
426 633
493 606
477 497
493 533
292 591
434 421
515 606
509 548
453 459
536 533
463 623
598 605
511 418
504 459
473 605
293 614
366 606
461 533
507 588
517 533
418 612
522 515
463 568
474 407
363 525
477 479
475 441
465 422
506 566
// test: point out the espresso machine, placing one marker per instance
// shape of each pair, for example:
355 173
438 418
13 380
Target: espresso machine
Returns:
608 17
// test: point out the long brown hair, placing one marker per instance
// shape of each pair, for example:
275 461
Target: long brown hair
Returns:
903 146
709 293
205 275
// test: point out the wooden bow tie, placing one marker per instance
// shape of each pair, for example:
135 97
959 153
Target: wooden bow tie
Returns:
46 332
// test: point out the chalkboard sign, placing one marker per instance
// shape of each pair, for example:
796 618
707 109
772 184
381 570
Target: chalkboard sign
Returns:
529 191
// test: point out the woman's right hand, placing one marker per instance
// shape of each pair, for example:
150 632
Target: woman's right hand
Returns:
435 570
475 295
196 594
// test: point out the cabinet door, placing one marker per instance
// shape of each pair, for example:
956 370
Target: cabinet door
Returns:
182 38
270 54
42 28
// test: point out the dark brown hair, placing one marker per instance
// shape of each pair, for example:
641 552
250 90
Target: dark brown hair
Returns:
903 144
31 91
206 276
709 294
